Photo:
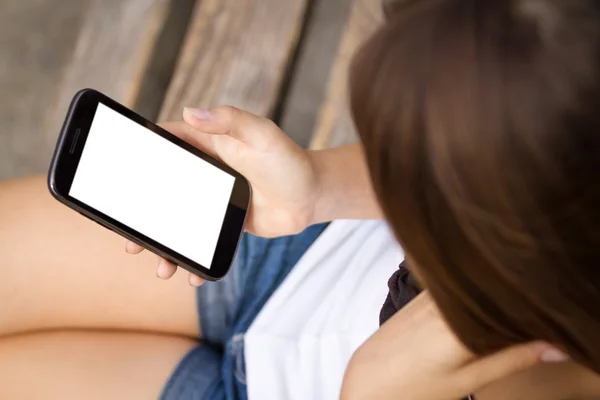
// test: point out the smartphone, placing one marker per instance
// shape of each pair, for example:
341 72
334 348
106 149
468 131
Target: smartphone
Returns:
135 178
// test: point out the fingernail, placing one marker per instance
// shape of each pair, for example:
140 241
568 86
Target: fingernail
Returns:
554 355
160 270
160 275
195 281
201 114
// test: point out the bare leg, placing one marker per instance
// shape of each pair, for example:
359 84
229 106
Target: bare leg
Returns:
88 365
61 271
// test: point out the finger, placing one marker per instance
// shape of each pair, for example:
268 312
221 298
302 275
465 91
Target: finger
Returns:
508 362
165 269
201 140
195 280
133 248
226 120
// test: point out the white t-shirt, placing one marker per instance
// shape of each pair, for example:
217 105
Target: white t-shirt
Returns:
300 343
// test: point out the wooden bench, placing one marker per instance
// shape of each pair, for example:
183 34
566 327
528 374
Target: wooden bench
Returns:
158 56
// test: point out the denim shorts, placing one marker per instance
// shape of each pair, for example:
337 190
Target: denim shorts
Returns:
215 369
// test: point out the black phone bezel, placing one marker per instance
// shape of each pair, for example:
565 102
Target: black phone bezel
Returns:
66 158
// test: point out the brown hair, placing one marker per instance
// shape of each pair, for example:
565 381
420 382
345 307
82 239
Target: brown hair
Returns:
481 126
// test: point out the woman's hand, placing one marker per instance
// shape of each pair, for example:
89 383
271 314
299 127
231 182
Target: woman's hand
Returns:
282 175
415 356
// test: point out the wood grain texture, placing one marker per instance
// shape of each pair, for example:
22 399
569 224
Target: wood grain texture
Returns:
316 55
37 38
335 126
237 53
111 55
161 65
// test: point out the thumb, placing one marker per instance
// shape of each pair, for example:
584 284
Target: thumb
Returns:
197 139
227 120
484 371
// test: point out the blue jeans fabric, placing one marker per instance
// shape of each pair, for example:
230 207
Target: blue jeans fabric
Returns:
215 369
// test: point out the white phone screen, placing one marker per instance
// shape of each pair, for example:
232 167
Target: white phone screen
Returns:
152 185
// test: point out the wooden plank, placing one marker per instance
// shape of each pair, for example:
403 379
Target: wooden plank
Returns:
237 52
308 83
164 58
335 126
37 38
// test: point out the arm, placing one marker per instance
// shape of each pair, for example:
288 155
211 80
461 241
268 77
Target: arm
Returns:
344 185
415 355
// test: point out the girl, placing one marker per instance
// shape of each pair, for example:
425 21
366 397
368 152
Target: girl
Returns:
479 148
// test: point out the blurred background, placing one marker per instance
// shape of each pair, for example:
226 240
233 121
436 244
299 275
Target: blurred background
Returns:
285 59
